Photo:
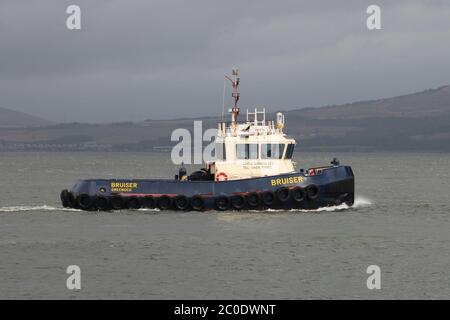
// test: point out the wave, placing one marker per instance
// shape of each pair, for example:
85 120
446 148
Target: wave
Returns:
52 208
34 208
360 202
149 210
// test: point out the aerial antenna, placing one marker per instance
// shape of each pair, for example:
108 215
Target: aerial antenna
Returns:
234 79
223 98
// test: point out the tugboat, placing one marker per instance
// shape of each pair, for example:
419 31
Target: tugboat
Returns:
253 170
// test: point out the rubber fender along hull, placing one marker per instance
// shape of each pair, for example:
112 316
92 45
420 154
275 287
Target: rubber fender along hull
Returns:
332 186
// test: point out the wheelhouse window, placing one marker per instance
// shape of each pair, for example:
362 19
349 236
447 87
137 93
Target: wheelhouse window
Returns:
247 151
220 151
290 151
272 151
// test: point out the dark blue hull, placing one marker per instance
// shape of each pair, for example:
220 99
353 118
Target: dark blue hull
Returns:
327 187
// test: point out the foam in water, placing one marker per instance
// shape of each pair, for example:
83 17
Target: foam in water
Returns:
34 208
51 208
149 210
360 202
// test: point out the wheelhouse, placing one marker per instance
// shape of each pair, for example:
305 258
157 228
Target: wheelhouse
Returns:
253 148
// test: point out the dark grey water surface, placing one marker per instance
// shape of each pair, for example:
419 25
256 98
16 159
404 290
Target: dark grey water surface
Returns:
400 222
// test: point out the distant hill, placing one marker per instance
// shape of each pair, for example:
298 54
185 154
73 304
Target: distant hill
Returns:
11 118
408 122
431 102
418 121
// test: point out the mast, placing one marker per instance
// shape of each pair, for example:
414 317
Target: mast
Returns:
234 79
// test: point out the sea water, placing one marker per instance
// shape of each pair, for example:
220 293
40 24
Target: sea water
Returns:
400 222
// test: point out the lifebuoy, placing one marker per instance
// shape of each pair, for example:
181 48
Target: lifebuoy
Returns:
312 172
221 176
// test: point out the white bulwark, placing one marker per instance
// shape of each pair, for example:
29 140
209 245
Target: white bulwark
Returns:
254 148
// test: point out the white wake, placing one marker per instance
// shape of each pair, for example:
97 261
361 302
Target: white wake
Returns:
34 208
360 202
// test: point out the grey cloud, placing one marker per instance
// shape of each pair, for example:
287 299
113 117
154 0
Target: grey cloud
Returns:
165 59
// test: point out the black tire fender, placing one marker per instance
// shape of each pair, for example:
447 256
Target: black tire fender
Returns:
117 202
102 203
222 203
197 203
165 202
71 200
283 194
133 203
238 202
63 197
181 202
312 192
253 199
298 194
148 202
268 198
85 201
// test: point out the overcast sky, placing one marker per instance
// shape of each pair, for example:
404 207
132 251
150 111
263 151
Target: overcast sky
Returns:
138 59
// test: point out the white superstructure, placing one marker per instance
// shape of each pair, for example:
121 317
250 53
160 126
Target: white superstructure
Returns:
254 148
